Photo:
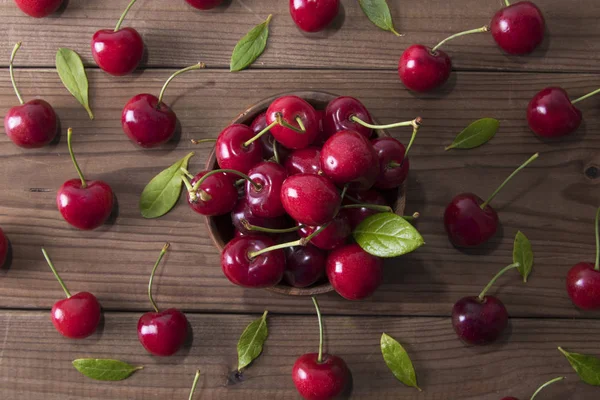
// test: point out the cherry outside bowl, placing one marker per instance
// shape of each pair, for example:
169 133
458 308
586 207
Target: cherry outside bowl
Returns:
221 228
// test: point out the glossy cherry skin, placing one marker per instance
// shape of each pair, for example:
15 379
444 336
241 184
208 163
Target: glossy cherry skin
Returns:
31 125
266 140
479 322
118 53
85 208
231 152
357 215
338 116
3 248
354 273
163 333
242 212
421 70
349 158
550 114
390 150
38 8
304 161
320 380
304 265
583 286
310 199
76 317
290 108
146 122
222 192
313 15
266 202
265 270
204 4
519 28
334 235
466 223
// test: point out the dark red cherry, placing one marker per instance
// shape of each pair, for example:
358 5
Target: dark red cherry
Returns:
38 8
243 269
393 166
204 4
297 113
313 15
304 265
242 212
147 122
519 28
231 151
357 215
267 140
349 158
338 116
479 321
117 52
304 161
354 273
583 286
4 246
422 70
334 235
163 333
310 199
509 398
466 223
551 113
217 195
266 201
31 125
323 380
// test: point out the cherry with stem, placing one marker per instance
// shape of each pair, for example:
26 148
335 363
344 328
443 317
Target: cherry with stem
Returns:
195 188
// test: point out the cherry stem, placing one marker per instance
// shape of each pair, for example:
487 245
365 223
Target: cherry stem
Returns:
299 242
70 146
300 124
187 173
375 207
495 278
200 65
200 181
198 141
256 228
160 257
320 356
526 163
507 3
409 218
204 196
560 378
276 152
394 164
414 123
597 266
196 378
595 92
477 30
123 15
285 124
416 126
12 74
259 134
60 281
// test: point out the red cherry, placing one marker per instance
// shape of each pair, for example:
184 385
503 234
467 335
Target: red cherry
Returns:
479 321
358 215
266 201
519 28
204 4
295 113
551 113
310 199
509 398
117 52
304 161
267 140
233 153
393 166
38 8
320 380
217 195
4 246
338 117
77 316
242 213
467 224
354 273
313 15
334 235
304 265
422 70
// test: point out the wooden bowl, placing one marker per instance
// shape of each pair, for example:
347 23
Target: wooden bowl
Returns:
221 229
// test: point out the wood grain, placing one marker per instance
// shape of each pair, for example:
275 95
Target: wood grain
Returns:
177 35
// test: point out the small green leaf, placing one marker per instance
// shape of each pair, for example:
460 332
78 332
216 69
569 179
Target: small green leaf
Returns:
587 367
387 235
105 369
379 14
250 46
251 342
398 361
476 134
523 255
72 74
163 191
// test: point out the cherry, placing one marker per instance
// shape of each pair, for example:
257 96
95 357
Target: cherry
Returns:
267 141
293 122
118 51
552 114
583 279
236 148
340 114
354 273
310 199
469 220
560 378
162 333
304 265
32 124
77 316
204 4
263 189
4 246
349 158
313 16
215 195
84 204
245 264
334 234
243 219
149 122
320 376
518 28
304 161
358 215
38 8
422 69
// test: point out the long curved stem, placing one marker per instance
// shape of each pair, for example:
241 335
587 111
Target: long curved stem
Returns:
495 278
181 71
198 141
526 163
416 126
200 181
597 265
595 92
196 378
123 15
160 257
477 30
259 134
58 278
70 146
285 124
560 378
413 123
256 228
299 242
12 74
320 356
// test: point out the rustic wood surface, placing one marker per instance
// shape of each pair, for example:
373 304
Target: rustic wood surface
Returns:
553 202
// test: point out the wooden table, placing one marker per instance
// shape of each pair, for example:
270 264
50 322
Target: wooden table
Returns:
553 202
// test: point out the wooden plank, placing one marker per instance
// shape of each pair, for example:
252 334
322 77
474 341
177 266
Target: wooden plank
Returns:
176 35
553 201
35 359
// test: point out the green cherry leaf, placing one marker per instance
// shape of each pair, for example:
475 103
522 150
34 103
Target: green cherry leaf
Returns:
163 191
250 47
523 255
387 235
251 342
398 361
379 14
104 369
72 74
587 367
476 134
